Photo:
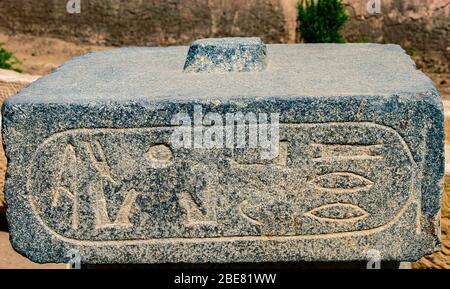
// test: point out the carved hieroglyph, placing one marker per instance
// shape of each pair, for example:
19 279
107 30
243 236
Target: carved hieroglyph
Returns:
94 185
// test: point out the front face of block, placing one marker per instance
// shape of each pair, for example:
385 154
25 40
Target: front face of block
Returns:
352 173
328 179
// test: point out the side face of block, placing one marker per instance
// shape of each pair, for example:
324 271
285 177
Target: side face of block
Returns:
353 173
226 55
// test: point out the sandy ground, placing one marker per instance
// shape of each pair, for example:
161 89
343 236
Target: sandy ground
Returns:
40 55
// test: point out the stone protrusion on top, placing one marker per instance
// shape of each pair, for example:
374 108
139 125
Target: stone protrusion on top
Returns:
233 54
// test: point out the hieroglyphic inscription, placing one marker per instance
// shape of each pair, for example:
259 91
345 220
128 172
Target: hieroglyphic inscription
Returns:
342 182
98 159
102 219
318 184
66 180
337 212
347 152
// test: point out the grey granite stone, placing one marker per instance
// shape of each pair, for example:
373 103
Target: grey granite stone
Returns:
360 166
232 54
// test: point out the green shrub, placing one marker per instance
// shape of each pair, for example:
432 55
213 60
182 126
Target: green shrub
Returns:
8 60
320 20
412 51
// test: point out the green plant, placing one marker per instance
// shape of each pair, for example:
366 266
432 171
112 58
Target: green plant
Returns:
363 39
412 51
320 20
8 60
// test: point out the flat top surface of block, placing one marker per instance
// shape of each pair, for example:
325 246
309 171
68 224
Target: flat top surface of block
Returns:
133 74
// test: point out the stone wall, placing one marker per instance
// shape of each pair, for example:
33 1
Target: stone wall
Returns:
150 22
421 26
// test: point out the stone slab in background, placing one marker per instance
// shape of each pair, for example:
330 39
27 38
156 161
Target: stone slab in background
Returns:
11 82
93 168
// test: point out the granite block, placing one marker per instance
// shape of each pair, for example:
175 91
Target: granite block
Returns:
92 163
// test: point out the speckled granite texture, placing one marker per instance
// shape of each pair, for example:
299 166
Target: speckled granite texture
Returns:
91 166
233 54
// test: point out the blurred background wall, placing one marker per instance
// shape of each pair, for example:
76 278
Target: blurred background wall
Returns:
417 25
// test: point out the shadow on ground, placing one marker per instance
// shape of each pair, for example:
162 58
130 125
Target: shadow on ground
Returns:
3 223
